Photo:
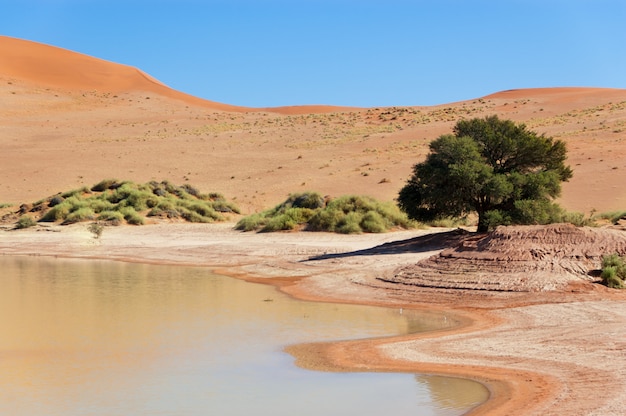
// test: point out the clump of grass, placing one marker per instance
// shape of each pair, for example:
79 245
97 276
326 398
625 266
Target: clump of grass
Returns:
614 271
111 217
359 214
25 221
105 184
80 214
347 215
295 212
613 216
115 202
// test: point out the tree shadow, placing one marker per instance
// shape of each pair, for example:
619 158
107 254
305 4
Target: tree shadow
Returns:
421 244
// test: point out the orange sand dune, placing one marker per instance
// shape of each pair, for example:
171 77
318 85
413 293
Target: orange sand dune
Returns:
70 120
50 66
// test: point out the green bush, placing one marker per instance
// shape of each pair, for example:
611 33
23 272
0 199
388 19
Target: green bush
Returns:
105 184
25 221
297 209
347 214
131 216
57 213
613 216
611 279
81 214
373 222
356 214
113 217
115 201
614 271
251 222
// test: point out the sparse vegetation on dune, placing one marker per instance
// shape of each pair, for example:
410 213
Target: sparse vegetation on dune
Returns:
114 202
310 211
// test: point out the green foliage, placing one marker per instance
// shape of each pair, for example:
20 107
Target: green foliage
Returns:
114 202
5 205
80 214
131 216
356 214
111 217
289 215
347 214
25 221
613 217
496 168
614 271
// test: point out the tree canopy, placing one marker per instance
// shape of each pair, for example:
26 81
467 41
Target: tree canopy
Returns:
496 168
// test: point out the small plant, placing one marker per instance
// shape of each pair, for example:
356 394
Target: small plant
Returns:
25 221
614 271
96 229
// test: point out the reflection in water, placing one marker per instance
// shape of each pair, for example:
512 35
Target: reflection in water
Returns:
101 338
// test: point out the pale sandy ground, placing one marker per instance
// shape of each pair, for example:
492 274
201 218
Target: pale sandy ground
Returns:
68 120
539 354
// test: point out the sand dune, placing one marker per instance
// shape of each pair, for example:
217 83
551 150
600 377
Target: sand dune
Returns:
70 120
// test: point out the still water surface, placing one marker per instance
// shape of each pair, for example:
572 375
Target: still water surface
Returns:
106 338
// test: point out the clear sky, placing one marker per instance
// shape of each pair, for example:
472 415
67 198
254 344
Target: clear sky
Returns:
364 53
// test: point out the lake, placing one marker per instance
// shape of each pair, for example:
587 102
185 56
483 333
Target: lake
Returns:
89 337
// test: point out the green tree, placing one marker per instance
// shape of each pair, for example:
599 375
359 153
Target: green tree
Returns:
496 168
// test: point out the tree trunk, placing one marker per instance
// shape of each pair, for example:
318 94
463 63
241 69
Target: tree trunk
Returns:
482 225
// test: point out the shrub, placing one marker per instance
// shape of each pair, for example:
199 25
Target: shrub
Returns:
114 201
112 217
614 271
81 214
251 222
295 212
613 217
350 224
347 214
355 214
611 279
25 221
96 229
57 213
373 222
55 200
105 184
131 216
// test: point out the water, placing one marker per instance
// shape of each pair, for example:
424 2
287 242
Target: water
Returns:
105 338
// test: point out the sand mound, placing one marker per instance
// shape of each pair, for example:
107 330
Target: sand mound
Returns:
518 259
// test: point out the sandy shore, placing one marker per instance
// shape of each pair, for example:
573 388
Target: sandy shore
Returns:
539 354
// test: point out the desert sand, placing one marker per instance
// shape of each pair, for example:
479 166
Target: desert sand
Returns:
70 120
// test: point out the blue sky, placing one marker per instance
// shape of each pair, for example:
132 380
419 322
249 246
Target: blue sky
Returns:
262 53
